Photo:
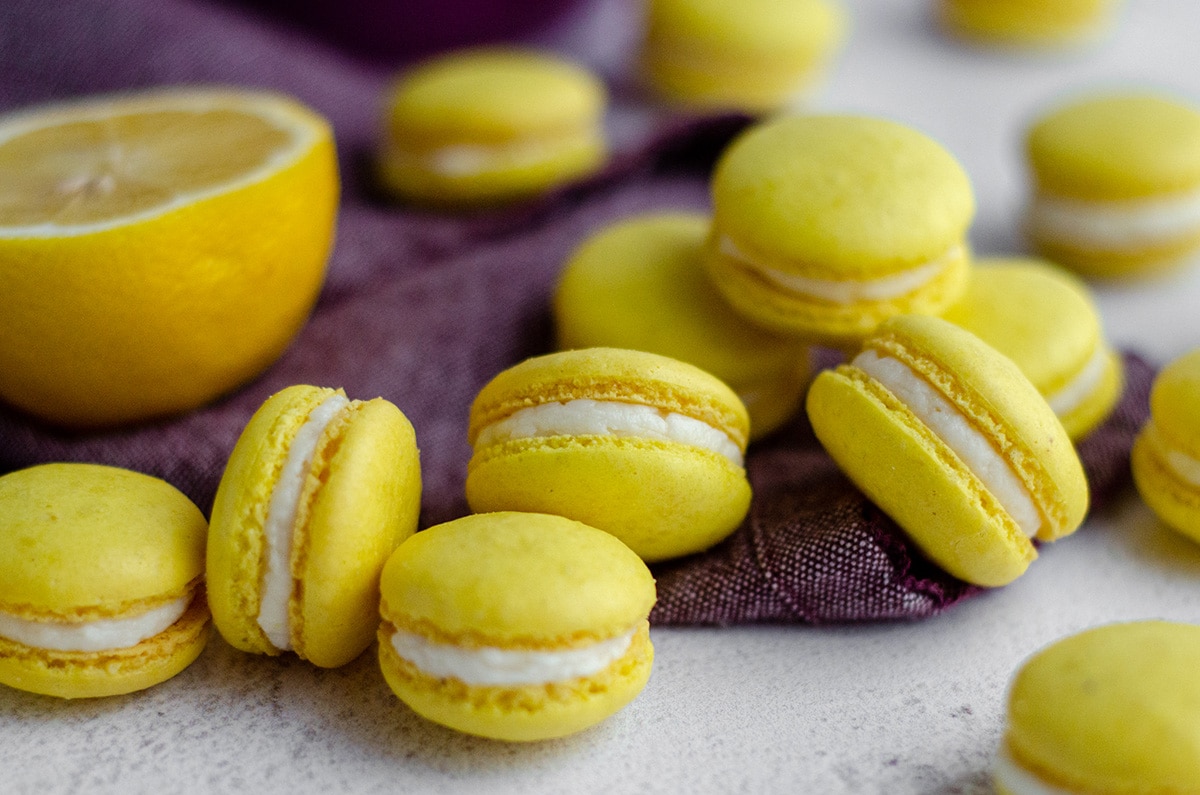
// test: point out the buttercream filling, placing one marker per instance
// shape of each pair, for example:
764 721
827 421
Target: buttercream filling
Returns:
952 427
99 635
1182 465
279 526
1019 781
1072 394
845 291
491 666
1115 224
468 160
587 417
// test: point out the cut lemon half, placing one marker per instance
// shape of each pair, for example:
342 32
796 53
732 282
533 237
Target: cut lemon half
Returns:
156 249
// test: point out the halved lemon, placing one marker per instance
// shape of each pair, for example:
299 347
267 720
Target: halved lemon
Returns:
156 249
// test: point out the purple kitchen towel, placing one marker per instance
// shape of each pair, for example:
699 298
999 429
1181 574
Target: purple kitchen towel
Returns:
424 308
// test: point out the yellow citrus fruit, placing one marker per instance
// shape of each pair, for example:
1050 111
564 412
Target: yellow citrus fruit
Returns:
156 249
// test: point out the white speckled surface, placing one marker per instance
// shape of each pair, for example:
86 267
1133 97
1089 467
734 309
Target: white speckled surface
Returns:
897 708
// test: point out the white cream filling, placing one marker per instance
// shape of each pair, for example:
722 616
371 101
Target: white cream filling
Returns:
848 290
953 428
1114 225
587 417
1182 465
99 635
279 526
490 666
1072 394
1019 781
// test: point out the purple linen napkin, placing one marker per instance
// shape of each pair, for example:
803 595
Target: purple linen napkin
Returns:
424 308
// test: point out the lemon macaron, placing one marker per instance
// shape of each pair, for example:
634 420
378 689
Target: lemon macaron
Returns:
1116 183
1029 24
640 284
755 55
491 125
1166 453
1044 319
317 493
646 447
824 226
515 626
101 580
948 437
1114 709
136 279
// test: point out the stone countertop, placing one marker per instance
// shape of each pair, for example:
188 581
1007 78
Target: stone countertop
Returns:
900 708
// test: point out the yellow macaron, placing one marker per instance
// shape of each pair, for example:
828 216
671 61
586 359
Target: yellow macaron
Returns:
951 440
1045 320
317 493
640 284
643 446
101 580
1166 454
1116 183
824 226
1113 710
1029 24
515 626
754 55
491 125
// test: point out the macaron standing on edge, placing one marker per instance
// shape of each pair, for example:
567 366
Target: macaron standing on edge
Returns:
491 125
1166 454
640 284
643 446
1044 319
101 580
515 626
951 440
824 226
1116 183
753 55
1113 709
317 493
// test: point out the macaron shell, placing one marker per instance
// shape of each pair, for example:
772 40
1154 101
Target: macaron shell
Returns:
663 499
1117 146
521 714
1140 260
839 325
611 374
366 504
112 672
640 284
1003 404
1173 401
236 545
840 197
1030 23
1174 502
916 480
484 95
89 541
1112 710
428 582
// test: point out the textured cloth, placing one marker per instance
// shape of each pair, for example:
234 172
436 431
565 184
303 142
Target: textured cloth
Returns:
424 308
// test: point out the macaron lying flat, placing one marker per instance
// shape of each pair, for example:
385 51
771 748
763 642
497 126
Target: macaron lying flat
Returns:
640 284
317 493
953 442
491 125
824 226
101 580
1117 183
642 446
1166 454
1115 709
515 626
1032 24
755 55
1044 319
